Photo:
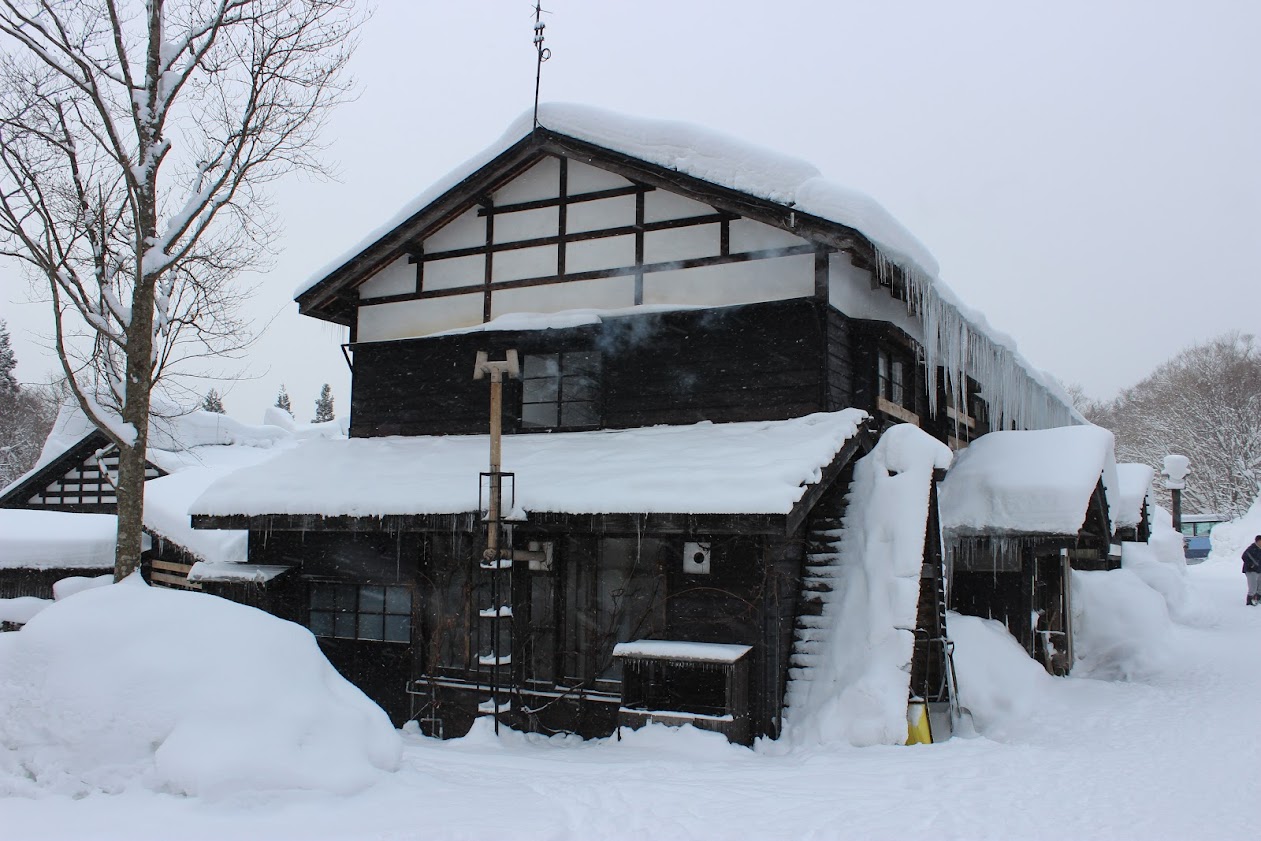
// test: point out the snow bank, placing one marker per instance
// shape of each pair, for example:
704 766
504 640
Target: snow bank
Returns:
1230 539
1000 685
1036 481
67 587
128 685
736 468
21 609
35 539
857 691
1121 626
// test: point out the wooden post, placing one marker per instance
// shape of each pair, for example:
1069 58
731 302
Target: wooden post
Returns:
500 592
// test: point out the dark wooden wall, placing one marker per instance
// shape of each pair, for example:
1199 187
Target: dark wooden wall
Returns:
752 362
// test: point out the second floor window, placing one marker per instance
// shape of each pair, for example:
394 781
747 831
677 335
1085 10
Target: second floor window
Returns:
560 390
895 377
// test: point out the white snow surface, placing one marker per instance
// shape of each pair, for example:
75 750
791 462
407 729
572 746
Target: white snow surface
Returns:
702 652
857 690
56 539
1104 747
1134 485
235 571
956 336
1231 538
22 608
1035 481
705 468
129 687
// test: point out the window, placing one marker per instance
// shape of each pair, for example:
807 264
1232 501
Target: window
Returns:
895 376
361 611
560 390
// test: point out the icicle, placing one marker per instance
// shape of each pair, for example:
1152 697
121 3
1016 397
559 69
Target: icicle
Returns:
1016 392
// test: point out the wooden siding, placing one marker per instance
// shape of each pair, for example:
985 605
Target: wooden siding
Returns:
751 362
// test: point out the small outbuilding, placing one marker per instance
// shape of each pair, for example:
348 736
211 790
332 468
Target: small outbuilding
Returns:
1020 510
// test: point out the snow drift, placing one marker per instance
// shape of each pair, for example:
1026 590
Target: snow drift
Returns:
127 685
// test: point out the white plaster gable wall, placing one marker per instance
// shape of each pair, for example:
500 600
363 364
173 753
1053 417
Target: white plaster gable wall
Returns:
849 290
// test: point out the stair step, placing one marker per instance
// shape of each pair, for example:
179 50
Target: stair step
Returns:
805 660
813 622
811 634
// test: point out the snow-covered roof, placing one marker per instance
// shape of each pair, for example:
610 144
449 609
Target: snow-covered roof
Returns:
690 652
195 449
56 539
955 336
1134 483
1037 481
232 571
706 468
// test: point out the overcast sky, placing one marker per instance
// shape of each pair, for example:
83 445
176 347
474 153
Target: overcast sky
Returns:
1086 173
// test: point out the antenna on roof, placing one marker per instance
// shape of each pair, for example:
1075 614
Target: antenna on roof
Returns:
544 55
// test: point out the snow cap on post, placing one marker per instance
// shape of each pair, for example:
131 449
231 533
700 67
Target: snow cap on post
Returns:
1175 471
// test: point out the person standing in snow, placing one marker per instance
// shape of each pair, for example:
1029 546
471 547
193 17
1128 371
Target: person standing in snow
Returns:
1252 569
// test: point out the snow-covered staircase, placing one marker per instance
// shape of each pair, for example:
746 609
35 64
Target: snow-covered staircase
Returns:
819 573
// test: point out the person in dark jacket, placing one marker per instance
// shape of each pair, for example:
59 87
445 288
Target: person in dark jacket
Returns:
1252 569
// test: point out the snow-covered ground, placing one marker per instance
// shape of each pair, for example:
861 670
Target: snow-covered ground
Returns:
1170 753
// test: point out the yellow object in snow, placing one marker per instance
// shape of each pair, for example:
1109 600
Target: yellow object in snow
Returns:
918 732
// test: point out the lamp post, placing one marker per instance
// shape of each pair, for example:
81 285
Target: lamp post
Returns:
1175 472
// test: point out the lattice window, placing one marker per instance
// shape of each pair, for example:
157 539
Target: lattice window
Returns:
561 390
378 612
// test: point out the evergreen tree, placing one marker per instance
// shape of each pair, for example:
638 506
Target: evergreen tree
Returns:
8 382
213 403
26 415
324 405
282 400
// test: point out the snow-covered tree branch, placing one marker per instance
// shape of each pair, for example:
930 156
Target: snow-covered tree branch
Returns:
1205 403
135 142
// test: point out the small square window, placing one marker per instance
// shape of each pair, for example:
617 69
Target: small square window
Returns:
561 390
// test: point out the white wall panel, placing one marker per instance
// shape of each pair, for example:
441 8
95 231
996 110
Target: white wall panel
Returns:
595 254
747 235
450 272
398 278
527 224
733 283
682 243
849 290
584 178
660 205
409 319
604 293
606 213
521 263
465 231
541 181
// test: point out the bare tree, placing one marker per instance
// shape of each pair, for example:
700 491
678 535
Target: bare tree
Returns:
1205 403
135 138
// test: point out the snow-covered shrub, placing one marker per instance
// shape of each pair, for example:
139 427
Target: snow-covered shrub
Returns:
130 685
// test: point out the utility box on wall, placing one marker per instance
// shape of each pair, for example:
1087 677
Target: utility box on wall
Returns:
696 558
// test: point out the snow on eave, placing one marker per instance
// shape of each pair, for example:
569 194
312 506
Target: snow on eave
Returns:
1134 485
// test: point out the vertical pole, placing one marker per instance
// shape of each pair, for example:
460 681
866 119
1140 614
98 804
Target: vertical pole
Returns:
1176 493
496 484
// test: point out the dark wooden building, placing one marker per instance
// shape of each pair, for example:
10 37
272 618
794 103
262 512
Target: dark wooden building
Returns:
636 290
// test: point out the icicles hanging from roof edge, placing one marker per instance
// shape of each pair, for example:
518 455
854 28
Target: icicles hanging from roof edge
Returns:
1014 391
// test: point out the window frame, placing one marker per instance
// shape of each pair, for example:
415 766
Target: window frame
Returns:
574 369
346 622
